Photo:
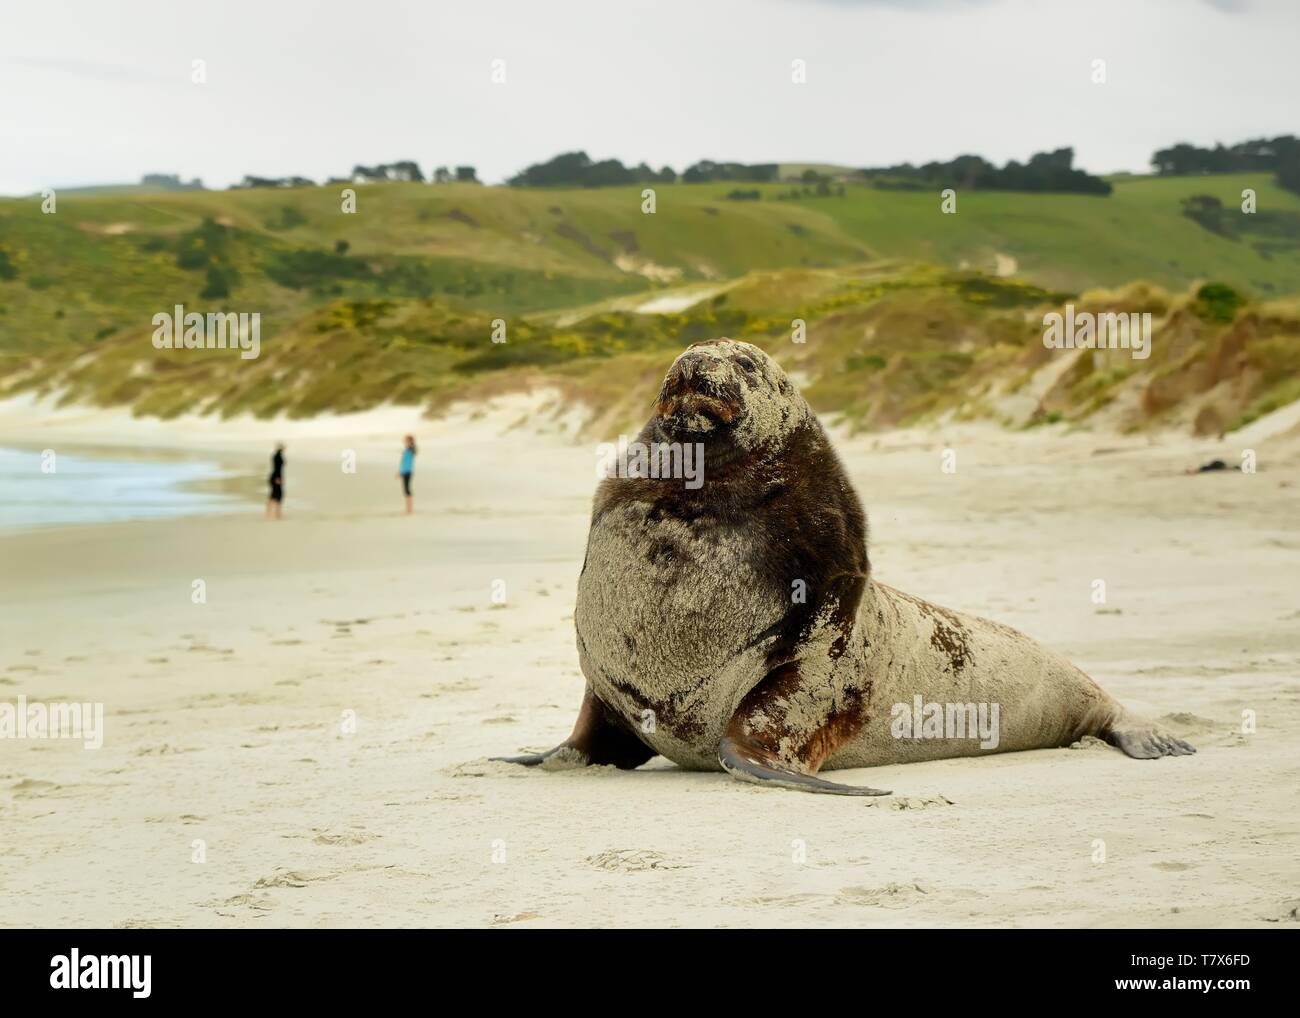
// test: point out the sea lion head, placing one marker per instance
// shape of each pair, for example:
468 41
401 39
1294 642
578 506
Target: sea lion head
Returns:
725 392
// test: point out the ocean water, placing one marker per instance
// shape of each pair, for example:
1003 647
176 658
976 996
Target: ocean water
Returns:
94 489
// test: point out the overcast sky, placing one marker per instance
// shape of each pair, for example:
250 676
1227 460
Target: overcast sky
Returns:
100 91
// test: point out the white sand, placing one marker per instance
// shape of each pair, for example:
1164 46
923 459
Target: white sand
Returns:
224 719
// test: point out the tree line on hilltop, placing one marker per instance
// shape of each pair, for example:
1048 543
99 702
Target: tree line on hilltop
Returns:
1280 154
577 169
1044 172
405 170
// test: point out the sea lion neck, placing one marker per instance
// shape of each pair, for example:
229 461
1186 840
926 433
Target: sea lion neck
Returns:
797 472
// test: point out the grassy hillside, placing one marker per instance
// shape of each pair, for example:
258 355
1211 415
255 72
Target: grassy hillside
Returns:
886 344
905 320
102 260
1075 241
103 264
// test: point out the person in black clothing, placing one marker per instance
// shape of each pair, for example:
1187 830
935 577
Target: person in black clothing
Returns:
276 480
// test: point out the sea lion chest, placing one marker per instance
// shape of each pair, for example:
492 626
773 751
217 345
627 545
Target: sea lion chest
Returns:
672 620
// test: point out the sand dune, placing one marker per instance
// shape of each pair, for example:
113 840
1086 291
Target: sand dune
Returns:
227 722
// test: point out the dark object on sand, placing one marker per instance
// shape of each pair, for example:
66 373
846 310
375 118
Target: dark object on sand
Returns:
1211 467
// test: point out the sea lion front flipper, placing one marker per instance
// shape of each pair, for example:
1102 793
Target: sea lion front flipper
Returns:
599 738
739 763
782 732
528 759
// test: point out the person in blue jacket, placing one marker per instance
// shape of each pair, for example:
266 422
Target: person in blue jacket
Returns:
406 469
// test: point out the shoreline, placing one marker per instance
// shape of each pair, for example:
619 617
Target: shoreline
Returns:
222 488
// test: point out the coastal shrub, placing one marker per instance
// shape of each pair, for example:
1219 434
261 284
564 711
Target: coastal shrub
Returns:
1217 302
286 218
207 242
312 268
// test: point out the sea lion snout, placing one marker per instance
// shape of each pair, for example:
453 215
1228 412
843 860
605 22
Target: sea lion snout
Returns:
728 392
700 392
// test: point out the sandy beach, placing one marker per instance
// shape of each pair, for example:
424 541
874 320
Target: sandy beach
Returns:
317 732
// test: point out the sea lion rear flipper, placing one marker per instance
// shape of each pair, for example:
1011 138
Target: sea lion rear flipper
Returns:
599 738
1144 740
739 763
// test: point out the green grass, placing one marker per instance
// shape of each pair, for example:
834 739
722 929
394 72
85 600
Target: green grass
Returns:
111 261
396 302
105 259
1073 241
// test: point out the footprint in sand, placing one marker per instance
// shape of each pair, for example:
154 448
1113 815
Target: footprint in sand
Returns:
442 797
258 903
518 917
900 802
30 787
343 839
892 895
481 768
889 896
459 686
1185 723
780 901
1172 867
633 860
292 878
164 750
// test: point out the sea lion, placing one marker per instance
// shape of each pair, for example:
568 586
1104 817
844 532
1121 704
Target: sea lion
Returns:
735 625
